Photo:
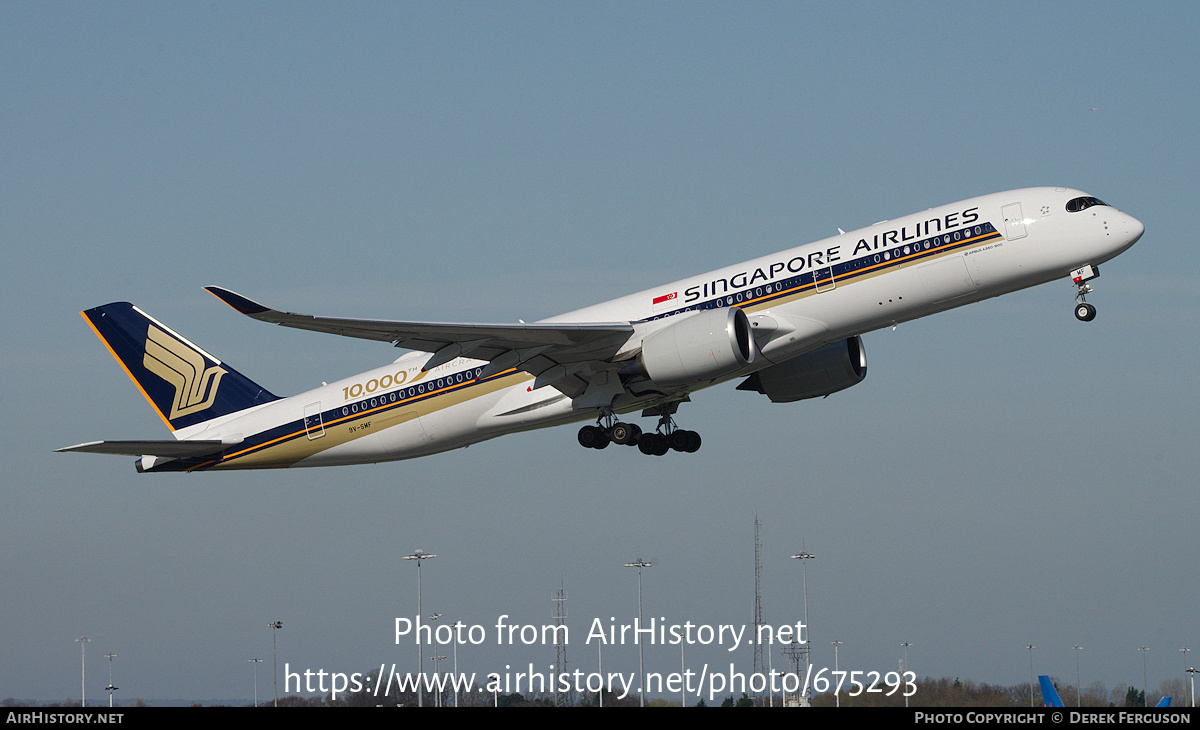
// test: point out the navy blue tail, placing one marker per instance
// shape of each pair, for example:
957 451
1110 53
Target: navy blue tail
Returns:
185 384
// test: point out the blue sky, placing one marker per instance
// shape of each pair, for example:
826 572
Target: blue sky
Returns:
1004 476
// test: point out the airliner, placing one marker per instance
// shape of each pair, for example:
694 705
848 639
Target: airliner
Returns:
787 325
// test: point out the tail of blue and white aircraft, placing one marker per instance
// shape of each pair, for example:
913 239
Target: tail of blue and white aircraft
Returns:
183 383
1051 699
1050 696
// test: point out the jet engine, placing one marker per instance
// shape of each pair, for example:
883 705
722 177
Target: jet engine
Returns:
818 372
705 345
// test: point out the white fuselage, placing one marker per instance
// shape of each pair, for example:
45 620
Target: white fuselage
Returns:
800 299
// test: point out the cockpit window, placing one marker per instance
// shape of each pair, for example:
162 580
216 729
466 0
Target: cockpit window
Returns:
1077 204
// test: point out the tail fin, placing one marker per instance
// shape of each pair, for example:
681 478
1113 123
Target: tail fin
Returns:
1050 696
185 384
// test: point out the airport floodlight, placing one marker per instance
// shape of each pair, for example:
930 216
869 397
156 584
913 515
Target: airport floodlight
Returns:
837 697
457 626
1192 671
1078 686
905 644
256 662
600 669
1145 697
1185 650
110 688
639 564
274 625
83 642
804 556
419 555
1030 647
433 618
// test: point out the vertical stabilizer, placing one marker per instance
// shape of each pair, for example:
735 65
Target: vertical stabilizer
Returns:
185 384
1050 696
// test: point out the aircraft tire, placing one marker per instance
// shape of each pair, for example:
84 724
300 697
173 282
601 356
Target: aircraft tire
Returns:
653 444
678 440
661 445
589 437
1085 312
646 444
625 434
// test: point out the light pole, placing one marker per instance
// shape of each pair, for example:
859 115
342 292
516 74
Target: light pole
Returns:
1031 647
433 618
682 672
457 627
1185 650
1192 671
110 688
905 645
641 665
837 697
1078 687
256 662
83 642
804 556
600 669
274 625
419 555
1145 698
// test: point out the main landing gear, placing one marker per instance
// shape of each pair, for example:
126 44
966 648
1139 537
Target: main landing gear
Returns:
665 438
1084 312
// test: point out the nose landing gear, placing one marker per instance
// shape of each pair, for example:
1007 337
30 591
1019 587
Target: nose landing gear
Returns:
1084 312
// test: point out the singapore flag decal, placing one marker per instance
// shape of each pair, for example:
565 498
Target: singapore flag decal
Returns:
664 299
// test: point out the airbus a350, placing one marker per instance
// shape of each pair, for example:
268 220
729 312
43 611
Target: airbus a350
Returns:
787 325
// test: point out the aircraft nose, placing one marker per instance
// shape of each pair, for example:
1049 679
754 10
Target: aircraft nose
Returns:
1133 229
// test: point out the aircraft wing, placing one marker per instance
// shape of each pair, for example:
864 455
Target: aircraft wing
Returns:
535 348
170 448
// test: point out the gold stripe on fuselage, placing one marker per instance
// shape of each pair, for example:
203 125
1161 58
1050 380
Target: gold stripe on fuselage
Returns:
290 448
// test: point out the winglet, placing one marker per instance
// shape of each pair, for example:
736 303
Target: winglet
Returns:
237 301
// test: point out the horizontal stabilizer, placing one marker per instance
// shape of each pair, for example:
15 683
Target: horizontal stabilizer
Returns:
170 448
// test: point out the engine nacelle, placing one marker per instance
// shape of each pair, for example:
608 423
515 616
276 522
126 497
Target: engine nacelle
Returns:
819 372
706 345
